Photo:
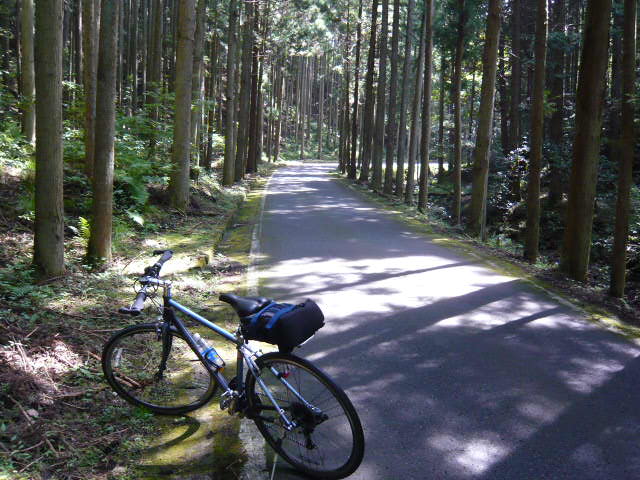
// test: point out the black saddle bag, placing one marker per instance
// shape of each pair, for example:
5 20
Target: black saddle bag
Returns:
284 324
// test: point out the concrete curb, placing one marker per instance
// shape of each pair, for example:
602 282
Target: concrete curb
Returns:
255 468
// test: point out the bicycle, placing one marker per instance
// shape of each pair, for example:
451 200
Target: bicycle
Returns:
304 416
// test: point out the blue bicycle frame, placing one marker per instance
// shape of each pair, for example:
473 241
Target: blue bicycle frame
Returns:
245 354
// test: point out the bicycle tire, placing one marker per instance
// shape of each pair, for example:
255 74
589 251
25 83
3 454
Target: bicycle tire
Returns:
131 361
343 441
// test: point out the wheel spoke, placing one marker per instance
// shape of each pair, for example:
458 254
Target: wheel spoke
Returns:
185 383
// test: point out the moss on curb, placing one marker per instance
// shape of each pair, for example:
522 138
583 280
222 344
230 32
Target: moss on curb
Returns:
468 247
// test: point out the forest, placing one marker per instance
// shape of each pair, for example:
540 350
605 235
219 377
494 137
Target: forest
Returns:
509 123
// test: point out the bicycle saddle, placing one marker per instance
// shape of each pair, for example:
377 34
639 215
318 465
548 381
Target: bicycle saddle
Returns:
245 306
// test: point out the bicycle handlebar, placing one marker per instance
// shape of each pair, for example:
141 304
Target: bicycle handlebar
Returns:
152 271
138 304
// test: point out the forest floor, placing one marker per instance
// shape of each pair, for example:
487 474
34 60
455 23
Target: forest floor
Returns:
59 418
592 297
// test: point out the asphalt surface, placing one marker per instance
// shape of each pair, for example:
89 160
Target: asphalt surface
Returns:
456 371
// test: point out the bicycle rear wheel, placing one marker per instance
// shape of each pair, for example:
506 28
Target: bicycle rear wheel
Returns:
328 442
132 364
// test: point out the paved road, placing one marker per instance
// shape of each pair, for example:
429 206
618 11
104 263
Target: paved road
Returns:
457 372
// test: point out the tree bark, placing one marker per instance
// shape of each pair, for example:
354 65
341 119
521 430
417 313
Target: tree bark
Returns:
404 102
99 247
586 146
27 76
321 73
627 142
416 107
252 151
615 104
441 118
90 65
48 243
212 93
179 181
133 54
532 237
367 119
516 76
425 138
457 116
392 124
197 77
245 93
556 97
485 120
154 84
230 145
280 92
378 133
121 49
504 101
262 56
356 86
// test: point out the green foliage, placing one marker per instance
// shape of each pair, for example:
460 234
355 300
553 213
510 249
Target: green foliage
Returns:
134 168
84 228
73 143
14 151
18 287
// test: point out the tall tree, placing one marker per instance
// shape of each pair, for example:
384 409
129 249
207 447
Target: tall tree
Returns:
27 71
369 99
245 92
254 111
457 116
356 85
504 100
416 108
378 133
537 132
627 143
99 247
321 73
425 138
404 101
179 181
279 94
556 96
441 117
48 243
89 73
155 69
392 124
586 145
229 141
198 76
516 81
485 120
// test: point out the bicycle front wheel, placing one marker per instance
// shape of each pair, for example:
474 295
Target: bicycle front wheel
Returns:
327 441
157 371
